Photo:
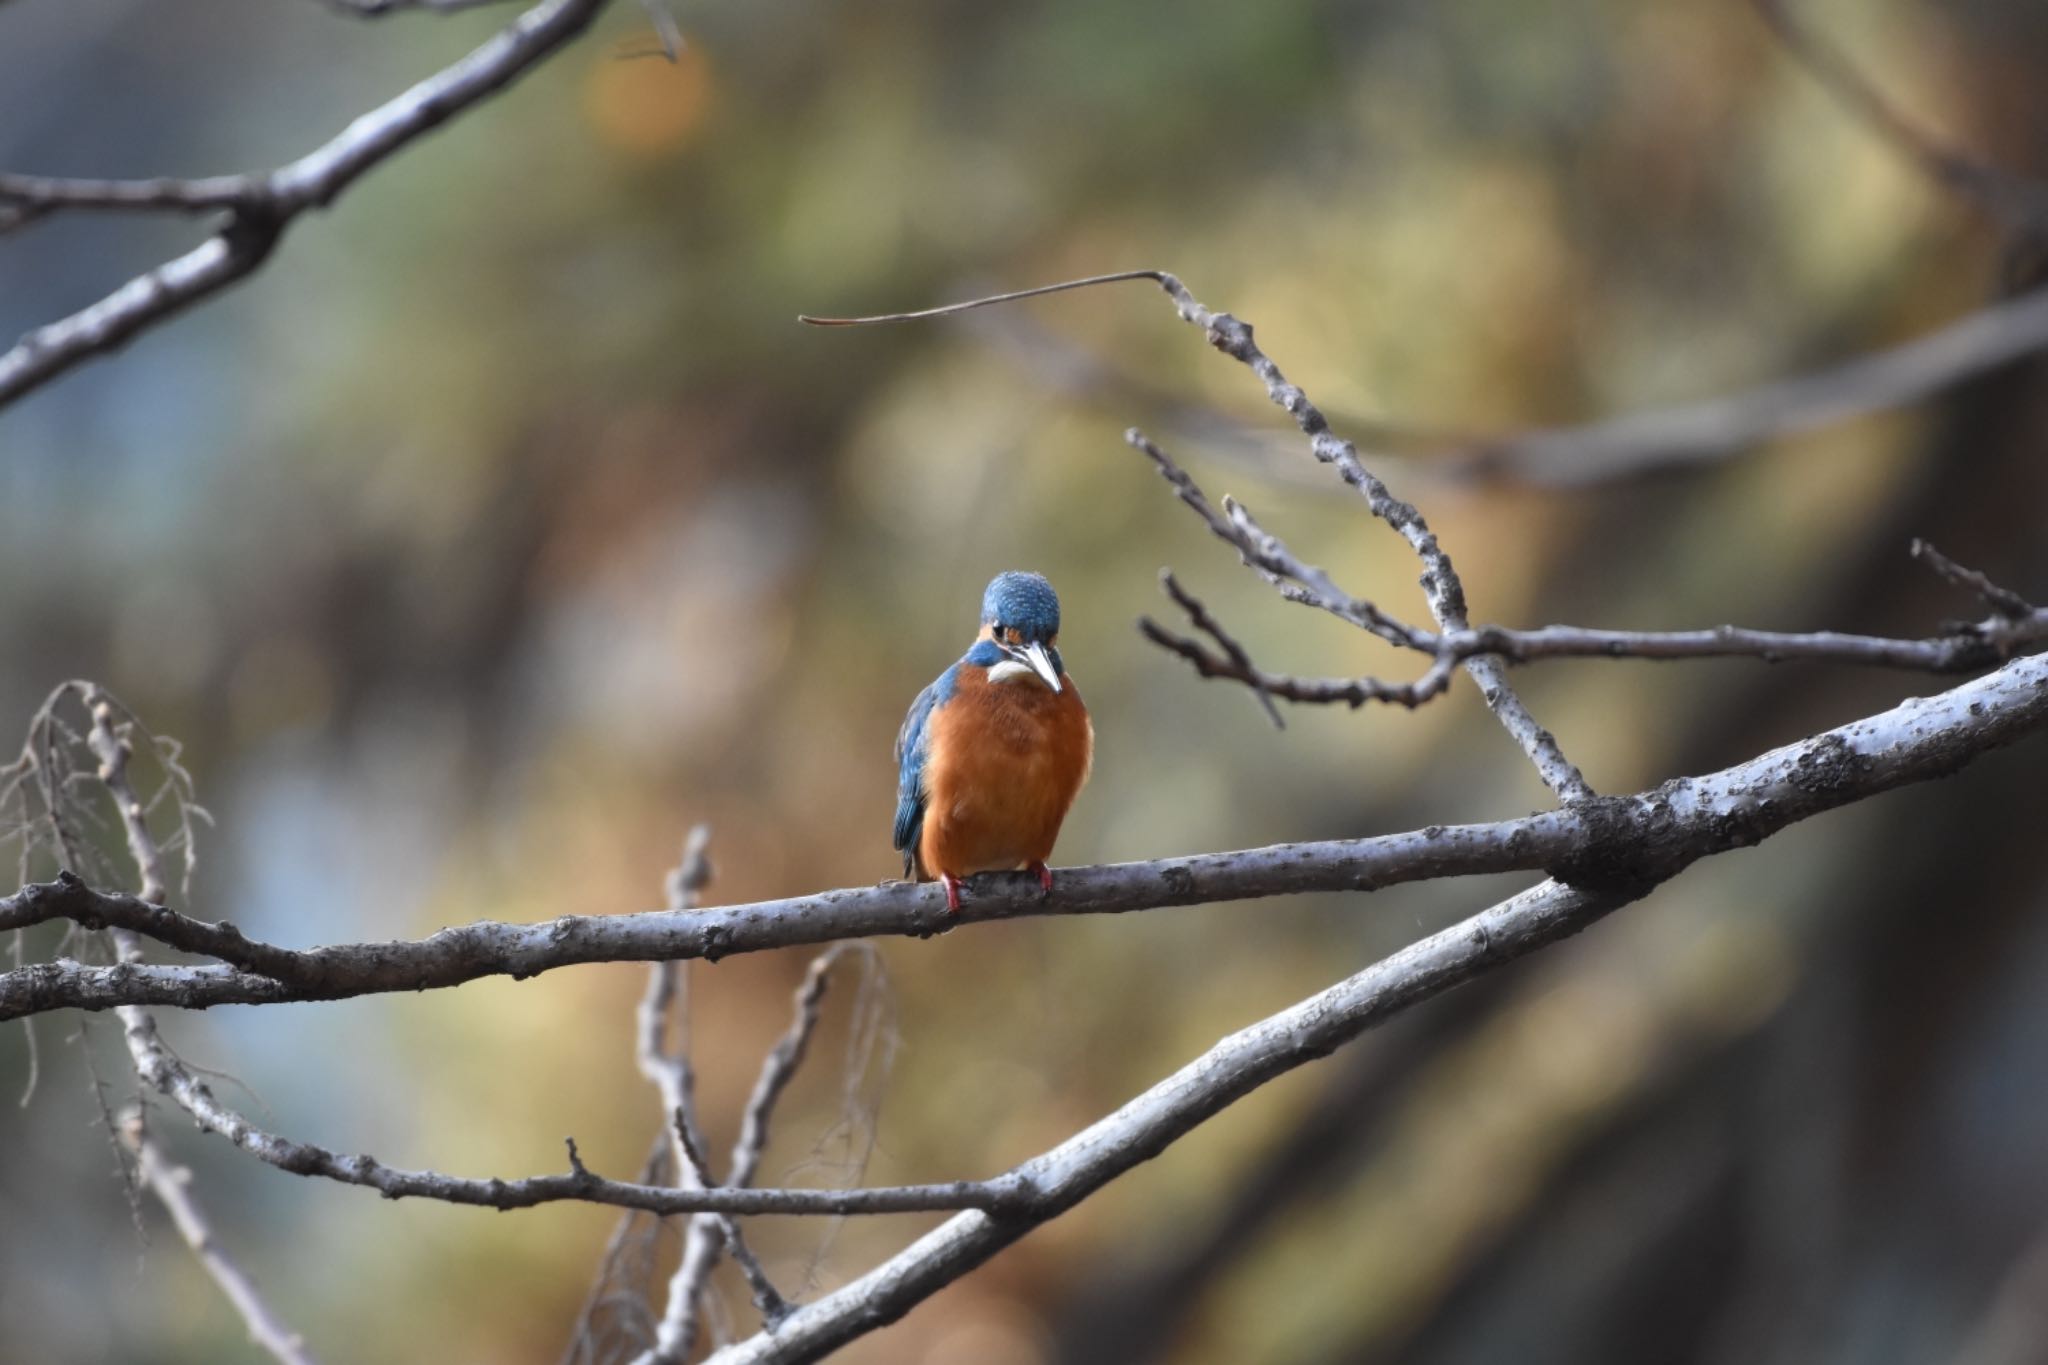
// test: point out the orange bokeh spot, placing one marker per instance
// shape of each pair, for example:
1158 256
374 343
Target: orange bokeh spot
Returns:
645 105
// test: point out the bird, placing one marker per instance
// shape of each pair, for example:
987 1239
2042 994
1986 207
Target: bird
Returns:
993 753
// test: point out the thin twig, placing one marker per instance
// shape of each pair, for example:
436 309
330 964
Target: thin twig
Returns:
1206 622
1237 666
780 1066
948 309
2003 601
1971 646
1604 449
669 1071
707 1235
378 9
172 1185
35 195
615 1312
111 742
1296 579
176 1081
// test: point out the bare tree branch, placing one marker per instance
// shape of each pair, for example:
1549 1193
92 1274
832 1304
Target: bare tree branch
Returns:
1144 1127
1237 664
259 207
1240 663
377 9
2005 602
668 1069
1295 579
111 742
69 898
2016 624
1708 814
1606 449
1971 646
2013 202
490 948
1629 846
1440 582
167 1074
26 197
171 1184
1895 741
710 1235
1697 433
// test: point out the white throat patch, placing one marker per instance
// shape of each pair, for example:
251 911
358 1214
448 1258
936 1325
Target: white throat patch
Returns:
1009 671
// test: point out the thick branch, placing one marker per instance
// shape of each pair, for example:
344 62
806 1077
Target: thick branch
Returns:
1683 820
490 948
1147 1125
1745 802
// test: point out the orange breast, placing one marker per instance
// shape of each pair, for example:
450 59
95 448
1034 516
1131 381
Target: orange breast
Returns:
1006 761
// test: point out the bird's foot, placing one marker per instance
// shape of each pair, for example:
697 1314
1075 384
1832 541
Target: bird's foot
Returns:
952 885
1044 876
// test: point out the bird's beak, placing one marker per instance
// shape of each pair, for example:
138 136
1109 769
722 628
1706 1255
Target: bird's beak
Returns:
1041 664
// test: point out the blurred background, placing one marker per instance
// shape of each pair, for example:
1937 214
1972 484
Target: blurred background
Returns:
506 523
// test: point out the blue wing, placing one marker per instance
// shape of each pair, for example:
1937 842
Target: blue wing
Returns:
911 749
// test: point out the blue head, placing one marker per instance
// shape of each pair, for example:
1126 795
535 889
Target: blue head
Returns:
1020 628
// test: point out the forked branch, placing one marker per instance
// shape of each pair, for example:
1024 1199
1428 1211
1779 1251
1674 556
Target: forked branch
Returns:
258 208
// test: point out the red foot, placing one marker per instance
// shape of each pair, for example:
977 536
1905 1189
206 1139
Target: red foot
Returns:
1044 876
952 885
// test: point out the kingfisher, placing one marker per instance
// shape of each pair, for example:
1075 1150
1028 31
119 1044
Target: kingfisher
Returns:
993 753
